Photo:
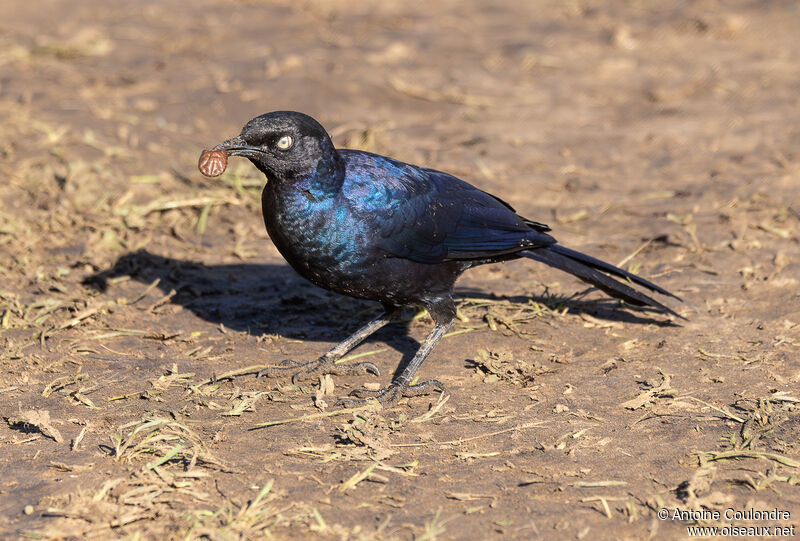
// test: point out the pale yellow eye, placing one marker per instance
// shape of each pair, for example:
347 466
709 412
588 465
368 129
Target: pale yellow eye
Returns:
285 142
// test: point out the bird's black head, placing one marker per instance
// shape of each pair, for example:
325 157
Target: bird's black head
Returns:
284 145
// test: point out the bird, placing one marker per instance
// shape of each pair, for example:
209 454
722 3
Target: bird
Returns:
372 227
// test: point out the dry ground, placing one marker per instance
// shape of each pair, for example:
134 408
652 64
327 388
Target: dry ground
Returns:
138 298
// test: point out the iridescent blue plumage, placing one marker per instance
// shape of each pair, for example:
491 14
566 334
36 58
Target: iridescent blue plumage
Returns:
375 228
428 216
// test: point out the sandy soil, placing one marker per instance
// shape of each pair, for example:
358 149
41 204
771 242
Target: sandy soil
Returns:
138 298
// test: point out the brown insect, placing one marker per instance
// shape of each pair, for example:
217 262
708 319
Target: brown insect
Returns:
212 163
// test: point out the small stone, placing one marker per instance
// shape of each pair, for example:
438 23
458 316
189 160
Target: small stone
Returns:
28 510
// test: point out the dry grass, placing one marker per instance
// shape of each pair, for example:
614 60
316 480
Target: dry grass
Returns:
139 299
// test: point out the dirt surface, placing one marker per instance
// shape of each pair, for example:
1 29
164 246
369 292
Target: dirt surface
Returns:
139 298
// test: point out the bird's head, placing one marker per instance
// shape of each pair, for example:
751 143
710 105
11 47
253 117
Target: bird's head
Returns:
283 145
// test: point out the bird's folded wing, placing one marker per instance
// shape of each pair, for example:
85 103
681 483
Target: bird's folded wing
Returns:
433 217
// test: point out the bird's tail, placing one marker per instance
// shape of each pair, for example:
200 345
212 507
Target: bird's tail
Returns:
596 272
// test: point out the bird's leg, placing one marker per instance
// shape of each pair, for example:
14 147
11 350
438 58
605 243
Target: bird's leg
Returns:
326 364
400 386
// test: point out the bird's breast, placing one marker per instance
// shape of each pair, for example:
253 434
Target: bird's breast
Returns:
319 237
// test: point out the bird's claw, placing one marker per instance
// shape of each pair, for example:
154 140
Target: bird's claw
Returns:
318 367
392 393
285 365
357 369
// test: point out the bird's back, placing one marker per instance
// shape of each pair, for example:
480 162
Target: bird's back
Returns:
429 216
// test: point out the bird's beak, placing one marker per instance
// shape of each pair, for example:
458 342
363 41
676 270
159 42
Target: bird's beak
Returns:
237 146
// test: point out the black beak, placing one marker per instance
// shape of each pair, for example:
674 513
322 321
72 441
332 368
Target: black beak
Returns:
237 146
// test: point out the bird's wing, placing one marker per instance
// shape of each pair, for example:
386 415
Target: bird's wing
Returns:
430 217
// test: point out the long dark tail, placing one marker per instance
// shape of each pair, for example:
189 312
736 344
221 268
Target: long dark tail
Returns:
595 272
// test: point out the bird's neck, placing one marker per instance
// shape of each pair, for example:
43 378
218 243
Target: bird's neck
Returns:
321 181
327 177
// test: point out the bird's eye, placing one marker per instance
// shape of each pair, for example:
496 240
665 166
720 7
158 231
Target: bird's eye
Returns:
285 142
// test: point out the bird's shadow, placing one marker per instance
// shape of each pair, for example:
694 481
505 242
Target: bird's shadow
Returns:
259 299
604 308
255 298
272 299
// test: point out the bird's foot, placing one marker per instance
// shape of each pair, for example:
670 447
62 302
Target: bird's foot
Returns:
313 369
392 393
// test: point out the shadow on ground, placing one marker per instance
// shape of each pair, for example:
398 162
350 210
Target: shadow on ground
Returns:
272 299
